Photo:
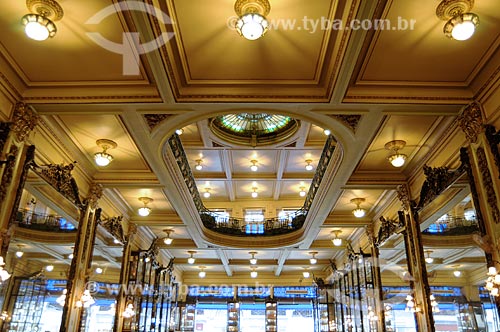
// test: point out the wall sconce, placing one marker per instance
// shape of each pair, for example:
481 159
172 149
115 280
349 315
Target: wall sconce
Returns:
206 194
86 300
358 211
254 166
309 167
191 259
253 260
411 305
254 273
337 242
168 240
461 23
396 159
428 258
198 165
493 281
103 158
252 23
302 192
39 25
202 273
129 311
255 194
313 260
145 210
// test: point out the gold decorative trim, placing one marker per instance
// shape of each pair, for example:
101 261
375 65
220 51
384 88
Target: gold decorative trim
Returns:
24 121
450 8
154 120
46 8
404 196
488 184
262 7
471 121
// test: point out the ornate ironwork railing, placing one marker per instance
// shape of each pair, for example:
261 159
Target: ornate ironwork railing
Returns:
453 226
43 222
239 226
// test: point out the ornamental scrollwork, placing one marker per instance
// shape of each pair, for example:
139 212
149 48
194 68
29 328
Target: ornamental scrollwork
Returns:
154 120
60 177
437 180
94 194
350 121
387 228
488 184
404 196
471 121
8 172
114 227
24 121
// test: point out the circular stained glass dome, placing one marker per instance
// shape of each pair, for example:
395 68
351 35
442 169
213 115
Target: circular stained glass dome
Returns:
254 128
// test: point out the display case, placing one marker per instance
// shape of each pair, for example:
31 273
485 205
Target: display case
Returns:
271 316
187 317
233 317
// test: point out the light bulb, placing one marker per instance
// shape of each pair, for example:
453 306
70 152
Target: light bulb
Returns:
306 274
144 211
49 268
206 194
202 274
98 270
429 260
302 192
70 256
38 27
327 132
19 254
461 27
253 261
255 194
359 212
309 167
198 167
397 160
313 260
103 159
337 242
254 166
492 271
254 274
252 26
191 260
179 131
457 273
168 241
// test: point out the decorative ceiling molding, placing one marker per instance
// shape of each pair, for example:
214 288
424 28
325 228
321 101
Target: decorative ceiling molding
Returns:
350 121
154 120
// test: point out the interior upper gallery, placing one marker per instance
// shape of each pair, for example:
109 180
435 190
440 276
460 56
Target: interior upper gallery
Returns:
249 165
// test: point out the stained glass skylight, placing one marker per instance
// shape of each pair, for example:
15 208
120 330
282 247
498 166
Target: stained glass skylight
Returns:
262 128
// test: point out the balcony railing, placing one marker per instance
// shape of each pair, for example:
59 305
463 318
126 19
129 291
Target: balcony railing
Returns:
453 226
242 227
43 222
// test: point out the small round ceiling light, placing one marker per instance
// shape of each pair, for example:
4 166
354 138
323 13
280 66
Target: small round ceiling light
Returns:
191 259
198 165
337 242
168 240
179 131
428 258
306 274
254 166
313 260
98 270
49 268
145 210
309 167
358 211
253 260
202 273
39 24
252 23
207 194
461 23
395 158
103 158
254 273
457 273
302 192
255 194
327 132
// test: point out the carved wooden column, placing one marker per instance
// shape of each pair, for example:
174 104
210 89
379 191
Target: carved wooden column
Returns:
377 279
482 161
121 300
13 160
82 260
416 261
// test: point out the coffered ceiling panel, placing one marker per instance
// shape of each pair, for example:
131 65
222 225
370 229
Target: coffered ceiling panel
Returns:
70 56
210 159
158 206
371 197
265 189
86 130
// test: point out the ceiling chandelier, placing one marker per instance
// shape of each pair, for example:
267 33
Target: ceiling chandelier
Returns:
252 23
358 212
39 25
103 158
461 23
396 159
